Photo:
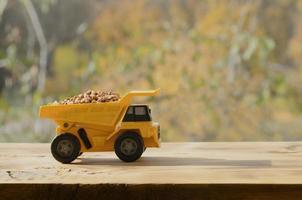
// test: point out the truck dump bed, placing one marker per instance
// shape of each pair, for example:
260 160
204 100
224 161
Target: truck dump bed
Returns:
102 114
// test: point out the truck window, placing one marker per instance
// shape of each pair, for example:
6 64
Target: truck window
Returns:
129 116
140 110
137 113
130 110
141 113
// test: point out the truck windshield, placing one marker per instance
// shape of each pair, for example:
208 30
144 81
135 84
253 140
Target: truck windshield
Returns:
137 113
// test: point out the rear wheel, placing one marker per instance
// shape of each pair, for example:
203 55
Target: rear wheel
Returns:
129 147
65 148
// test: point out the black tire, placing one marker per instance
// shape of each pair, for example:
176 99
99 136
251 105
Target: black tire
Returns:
129 147
65 148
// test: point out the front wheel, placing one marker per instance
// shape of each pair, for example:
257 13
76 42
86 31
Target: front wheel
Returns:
65 148
129 147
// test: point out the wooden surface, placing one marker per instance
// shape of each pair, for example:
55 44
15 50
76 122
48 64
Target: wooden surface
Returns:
208 170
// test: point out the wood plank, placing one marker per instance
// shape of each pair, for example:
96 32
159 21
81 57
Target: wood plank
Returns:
238 170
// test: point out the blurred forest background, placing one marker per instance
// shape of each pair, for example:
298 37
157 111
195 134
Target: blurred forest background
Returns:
229 70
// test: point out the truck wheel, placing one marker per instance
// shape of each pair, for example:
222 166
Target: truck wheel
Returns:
129 147
65 148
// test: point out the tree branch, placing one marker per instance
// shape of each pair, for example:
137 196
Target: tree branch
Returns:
42 43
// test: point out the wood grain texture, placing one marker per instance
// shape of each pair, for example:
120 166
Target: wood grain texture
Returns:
250 170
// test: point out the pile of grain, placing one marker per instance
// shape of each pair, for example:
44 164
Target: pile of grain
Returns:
91 96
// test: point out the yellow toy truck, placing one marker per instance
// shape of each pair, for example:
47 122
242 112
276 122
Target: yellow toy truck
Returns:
112 126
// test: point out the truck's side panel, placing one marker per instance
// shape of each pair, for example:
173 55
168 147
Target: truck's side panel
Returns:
106 115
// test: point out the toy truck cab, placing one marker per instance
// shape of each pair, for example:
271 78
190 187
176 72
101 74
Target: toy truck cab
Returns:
118 126
137 113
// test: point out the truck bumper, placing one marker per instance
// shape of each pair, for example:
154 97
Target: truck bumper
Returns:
154 140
